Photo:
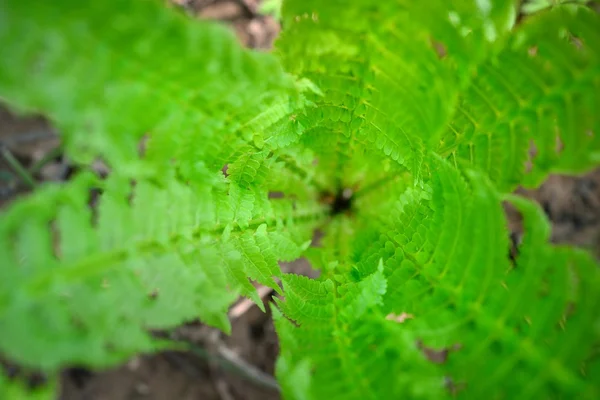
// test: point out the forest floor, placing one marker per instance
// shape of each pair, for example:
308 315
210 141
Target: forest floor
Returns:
240 366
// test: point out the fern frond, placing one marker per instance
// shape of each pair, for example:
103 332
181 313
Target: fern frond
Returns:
347 341
16 389
170 238
64 281
155 255
467 302
541 324
372 70
543 89
123 80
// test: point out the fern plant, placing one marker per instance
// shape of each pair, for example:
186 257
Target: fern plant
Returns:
416 121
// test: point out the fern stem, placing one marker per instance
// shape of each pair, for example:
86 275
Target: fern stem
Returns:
303 174
297 218
227 361
386 179
101 262
245 369
52 154
17 167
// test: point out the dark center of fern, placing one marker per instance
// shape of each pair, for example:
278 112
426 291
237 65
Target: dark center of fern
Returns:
342 202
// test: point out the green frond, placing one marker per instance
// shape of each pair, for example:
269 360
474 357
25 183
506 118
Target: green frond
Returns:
538 96
122 80
385 89
533 6
295 380
64 269
355 353
467 302
16 389
168 238
154 250
540 324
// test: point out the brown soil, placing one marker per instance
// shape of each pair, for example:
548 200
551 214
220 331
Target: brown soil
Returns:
185 376
572 203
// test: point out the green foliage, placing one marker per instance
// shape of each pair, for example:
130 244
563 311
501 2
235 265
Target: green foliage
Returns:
271 7
533 6
431 114
170 238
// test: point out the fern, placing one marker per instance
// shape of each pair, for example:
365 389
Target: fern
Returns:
540 89
426 114
171 238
